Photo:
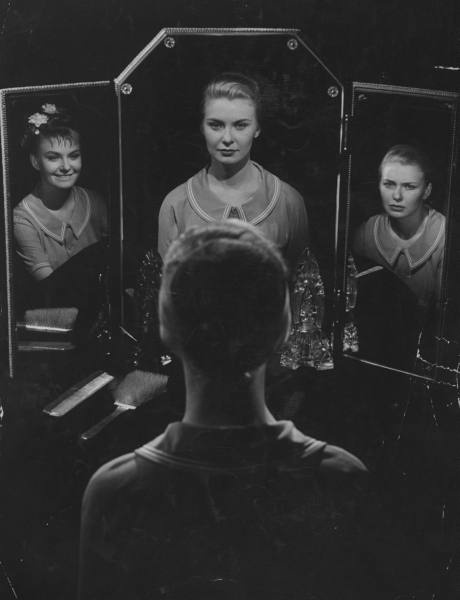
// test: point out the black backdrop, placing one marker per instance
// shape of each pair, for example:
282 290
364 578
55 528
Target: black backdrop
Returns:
50 41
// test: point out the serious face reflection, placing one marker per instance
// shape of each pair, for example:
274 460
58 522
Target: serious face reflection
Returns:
405 242
232 185
59 226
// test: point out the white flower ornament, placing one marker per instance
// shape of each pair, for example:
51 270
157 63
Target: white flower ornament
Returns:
49 109
37 119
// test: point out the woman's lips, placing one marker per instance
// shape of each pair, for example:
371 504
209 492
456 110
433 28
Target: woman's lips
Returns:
396 208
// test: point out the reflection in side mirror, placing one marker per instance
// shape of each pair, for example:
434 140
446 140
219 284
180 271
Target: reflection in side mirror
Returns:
399 199
57 190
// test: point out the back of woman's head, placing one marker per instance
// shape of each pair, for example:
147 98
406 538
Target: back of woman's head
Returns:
50 121
223 301
233 86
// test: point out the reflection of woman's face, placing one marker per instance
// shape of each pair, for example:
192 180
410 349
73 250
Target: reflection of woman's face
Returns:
58 161
229 128
403 190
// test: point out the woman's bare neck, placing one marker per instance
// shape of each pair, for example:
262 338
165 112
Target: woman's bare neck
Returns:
212 402
405 229
53 198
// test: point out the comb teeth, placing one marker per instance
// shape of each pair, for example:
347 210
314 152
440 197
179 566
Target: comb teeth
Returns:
78 394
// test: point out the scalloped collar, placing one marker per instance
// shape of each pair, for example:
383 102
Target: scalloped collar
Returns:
254 210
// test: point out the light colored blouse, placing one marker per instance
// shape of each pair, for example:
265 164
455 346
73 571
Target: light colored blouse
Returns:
416 261
43 241
276 208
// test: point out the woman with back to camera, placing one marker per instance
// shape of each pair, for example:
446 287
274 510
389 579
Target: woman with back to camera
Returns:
232 185
58 220
205 497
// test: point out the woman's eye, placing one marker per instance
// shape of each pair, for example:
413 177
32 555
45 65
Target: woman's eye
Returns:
410 186
75 156
388 184
241 126
214 126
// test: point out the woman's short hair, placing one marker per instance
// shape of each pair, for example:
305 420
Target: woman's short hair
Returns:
233 86
49 121
409 155
223 297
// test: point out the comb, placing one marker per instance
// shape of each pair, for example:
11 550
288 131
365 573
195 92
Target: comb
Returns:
77 394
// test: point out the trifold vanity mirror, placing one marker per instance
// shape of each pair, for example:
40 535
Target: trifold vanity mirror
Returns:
143 138
156 125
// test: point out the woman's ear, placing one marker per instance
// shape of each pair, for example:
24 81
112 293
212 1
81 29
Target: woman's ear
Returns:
34 161
427 192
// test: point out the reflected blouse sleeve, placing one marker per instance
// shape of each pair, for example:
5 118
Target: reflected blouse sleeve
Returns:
298 234
358 241
167 226
29 248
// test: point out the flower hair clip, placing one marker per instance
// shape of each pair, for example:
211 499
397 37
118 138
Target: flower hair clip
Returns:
41 118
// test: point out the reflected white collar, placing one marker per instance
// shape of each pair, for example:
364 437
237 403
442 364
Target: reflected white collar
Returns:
255 210
418 248
50 224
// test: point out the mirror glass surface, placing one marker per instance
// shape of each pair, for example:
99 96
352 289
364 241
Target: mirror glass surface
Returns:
57 193
398 219
163 146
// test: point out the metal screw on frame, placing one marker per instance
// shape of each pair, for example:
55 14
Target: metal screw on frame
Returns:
169 42
292 44
126 89
333 91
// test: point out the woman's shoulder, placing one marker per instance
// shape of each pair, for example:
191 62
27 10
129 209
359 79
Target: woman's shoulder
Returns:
176 196
287 192
93 196
368 225
290 193
436 217
119 473
363 237
21 212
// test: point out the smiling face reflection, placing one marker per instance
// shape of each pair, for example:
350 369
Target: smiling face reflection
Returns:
403 189
58 161
229 128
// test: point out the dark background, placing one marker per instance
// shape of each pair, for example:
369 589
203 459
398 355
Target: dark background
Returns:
50 41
